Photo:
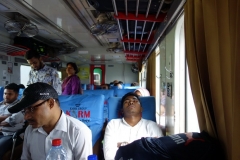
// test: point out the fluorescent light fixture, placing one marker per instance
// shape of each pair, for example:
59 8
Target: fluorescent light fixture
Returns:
82 52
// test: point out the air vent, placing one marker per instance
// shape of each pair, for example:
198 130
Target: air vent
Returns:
20 60
110 65
4 57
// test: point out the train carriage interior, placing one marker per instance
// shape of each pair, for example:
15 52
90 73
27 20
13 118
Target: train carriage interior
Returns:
173 48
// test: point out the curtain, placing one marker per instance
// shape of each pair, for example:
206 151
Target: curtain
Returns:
213 51
151 74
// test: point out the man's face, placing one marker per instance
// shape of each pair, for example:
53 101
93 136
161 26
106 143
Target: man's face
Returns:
38 114
9 96
131 106
35 63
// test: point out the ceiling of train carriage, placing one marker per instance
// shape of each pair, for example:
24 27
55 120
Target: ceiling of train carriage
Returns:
87 31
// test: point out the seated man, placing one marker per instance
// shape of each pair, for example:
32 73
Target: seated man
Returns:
131 127
183 146
47 121
9 123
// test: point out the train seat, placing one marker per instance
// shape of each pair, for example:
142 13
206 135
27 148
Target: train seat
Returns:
106 93
1 93
148 104
86 108
131 87
122 92
20 93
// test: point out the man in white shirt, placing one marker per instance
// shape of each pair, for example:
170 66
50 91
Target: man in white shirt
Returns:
41 72
47 121
9 123
131 127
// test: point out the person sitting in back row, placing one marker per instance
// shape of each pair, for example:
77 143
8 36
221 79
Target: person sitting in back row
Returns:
142 92
131 127
71 84
9 123
47 121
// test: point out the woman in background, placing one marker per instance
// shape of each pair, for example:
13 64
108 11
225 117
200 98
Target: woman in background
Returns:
71 84
142 92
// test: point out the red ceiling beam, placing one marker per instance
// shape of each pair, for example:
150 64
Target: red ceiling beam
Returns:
135 52
144 41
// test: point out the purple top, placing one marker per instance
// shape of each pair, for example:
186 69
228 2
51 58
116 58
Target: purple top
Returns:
71 85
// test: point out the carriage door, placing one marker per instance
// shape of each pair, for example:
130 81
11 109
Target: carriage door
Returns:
97 74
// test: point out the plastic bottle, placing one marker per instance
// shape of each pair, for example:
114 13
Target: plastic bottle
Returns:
92 157
57 151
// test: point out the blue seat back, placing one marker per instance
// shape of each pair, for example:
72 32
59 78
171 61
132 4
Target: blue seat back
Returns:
1 93
84 86
122 92
106 93
131 87
86 108
126 85
148 105
20 93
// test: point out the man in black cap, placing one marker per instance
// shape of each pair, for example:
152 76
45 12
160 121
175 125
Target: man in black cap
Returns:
47 121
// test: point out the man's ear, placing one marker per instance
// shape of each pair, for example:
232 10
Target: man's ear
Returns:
51 102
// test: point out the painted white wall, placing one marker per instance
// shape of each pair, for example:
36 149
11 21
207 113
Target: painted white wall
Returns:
121 72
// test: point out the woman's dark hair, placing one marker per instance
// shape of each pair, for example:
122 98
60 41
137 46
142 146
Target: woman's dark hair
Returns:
14 87
74 66
31 54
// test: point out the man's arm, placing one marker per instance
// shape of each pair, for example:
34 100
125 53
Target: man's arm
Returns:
29 78
110 144
75 85
155 130
56 83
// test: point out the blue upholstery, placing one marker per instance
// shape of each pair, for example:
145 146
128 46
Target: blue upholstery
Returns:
86 108
131 87
148 105
1 93
84 86
106 93
126 85
122 92
20 93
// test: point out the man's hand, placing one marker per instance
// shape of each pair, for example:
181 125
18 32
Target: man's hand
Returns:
121 144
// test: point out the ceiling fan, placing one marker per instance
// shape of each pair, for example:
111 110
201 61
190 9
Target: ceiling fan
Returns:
21 26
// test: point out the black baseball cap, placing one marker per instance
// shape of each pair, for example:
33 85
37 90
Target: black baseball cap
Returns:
33 93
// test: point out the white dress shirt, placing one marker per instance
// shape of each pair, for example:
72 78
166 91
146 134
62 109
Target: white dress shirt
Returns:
118 130
76 140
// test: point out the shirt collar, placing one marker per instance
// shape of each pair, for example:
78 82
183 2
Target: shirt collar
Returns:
11 104
123 121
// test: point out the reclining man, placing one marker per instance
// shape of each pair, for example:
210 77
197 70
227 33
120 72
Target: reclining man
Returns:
9 123
47 121
131 127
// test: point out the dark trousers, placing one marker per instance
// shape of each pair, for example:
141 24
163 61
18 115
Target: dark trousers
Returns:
6 143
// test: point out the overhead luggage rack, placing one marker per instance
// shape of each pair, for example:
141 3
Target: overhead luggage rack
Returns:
137 29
